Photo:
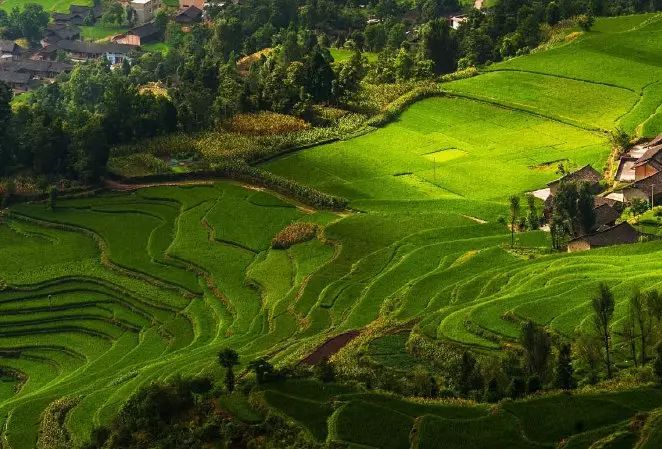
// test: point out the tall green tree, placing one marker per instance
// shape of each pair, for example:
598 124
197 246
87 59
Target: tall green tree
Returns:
564 371
228 358
6 96
603 312
514 215
537 345
438 45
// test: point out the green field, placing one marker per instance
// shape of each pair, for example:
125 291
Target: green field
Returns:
49 5
342 55
99 32
375 420
106 294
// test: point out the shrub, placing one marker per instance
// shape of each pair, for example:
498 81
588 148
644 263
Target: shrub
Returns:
266 123
469 72
293 234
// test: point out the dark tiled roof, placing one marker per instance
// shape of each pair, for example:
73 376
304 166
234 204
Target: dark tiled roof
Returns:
652 155
14 77
8 46
144 31
97 11
622 233
604 215
37 66
93 48
190 14
585 174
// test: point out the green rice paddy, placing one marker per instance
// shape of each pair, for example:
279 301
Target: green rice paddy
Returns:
106 294
49 5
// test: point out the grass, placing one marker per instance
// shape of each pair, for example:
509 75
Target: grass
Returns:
368 419
49 5
100 32
343 55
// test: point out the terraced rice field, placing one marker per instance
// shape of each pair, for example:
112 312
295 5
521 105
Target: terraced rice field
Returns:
606 78
105 294
332 413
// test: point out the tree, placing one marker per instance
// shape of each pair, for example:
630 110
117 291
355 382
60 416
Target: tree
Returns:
514 214
552 13
603 309
585 207
228 358
585 21
516 388
262 368
5 117
532 218
492 393
32 22
469 376
325 371
537 345
641 320
657 363
52 197
438 45
563 378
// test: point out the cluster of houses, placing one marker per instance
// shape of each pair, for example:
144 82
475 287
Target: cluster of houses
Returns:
640 174
24 69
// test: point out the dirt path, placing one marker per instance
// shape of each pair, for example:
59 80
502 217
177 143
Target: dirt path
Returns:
330 347
476 219
120 187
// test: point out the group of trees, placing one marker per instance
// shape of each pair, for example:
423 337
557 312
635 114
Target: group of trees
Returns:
68 127
28 22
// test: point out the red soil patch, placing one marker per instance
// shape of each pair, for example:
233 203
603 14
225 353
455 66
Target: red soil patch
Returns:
330 347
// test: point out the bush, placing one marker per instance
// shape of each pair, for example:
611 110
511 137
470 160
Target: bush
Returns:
293 234
267 123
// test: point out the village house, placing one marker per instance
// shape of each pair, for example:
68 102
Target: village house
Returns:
19 82
139 35
56 32
585 174
200 4
9 50
145 9
641 166
189 15
85 51
620 234
79 15
38 70
456 21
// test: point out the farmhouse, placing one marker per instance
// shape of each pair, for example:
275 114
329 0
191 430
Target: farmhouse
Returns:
9 50
145 9
85 51
139 35
189 15
200 4
640 161
19 82
620 234
79 15
56 32
585 174
456 21
38 69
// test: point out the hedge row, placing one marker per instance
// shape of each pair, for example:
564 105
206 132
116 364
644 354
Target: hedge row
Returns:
394 109
239 170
